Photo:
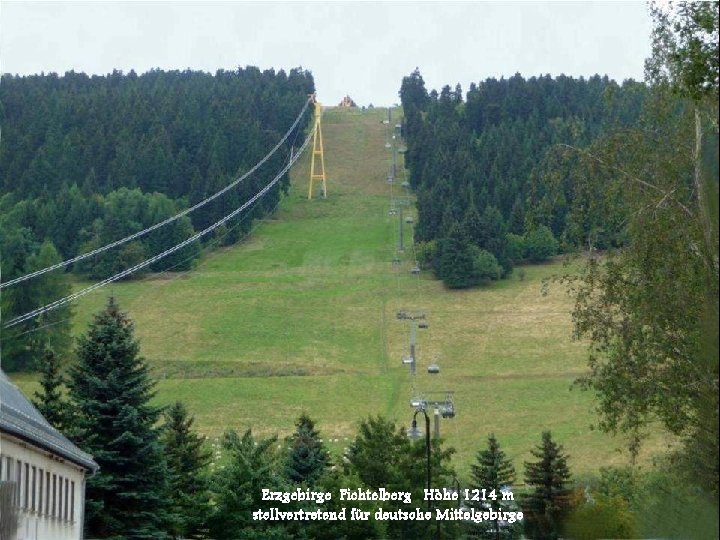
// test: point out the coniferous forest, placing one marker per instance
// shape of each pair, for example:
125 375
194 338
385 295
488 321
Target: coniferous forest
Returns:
87 160
491 186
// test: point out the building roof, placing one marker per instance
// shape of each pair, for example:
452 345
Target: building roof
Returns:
20 418
347 101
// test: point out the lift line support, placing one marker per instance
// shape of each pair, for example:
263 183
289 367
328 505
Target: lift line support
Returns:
317 174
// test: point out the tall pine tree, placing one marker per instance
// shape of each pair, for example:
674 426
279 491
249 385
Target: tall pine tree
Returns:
237 491
494 237
457 260
493 472
548 503
187 462
111 388
49 401
307 458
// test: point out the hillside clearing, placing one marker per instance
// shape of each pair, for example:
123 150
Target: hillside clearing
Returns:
301 317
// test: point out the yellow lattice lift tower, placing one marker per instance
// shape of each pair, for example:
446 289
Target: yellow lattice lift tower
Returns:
317 154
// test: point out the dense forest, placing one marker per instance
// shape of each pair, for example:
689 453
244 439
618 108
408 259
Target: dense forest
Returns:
489 184
87 160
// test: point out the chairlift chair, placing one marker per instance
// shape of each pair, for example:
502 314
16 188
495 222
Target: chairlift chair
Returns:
418 404
447 410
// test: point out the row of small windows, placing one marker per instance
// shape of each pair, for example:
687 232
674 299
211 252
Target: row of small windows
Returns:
37 490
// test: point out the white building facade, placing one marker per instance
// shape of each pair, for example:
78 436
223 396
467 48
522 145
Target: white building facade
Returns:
45 470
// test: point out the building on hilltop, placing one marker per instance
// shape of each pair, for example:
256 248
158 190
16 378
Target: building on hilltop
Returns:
347 102
42 473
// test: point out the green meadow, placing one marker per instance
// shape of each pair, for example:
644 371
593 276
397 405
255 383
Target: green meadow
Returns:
301 316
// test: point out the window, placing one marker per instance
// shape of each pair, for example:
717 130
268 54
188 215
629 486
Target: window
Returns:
18 482
67 499
72 501
60 497
33 490
47 493
26 486
41 489
54 496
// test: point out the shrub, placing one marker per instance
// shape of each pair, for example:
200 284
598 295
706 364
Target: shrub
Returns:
515 247
456 263
485 266
603 517
540 244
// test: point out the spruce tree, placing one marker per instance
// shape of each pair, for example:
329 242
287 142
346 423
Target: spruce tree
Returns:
516 222
457 260
237 491
49 401
307 458
473 225
493 472
383 456
548 502
187 473
494 237
111 387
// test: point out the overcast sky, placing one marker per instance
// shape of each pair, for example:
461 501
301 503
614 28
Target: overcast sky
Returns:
358 48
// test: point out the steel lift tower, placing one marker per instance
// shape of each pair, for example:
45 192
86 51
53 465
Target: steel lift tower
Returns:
318 156
440 406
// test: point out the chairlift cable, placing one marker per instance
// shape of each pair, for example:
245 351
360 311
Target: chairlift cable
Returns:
139 266
154 274
166 221
164 271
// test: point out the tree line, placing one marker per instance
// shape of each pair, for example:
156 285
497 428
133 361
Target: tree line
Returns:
86 160
488 192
